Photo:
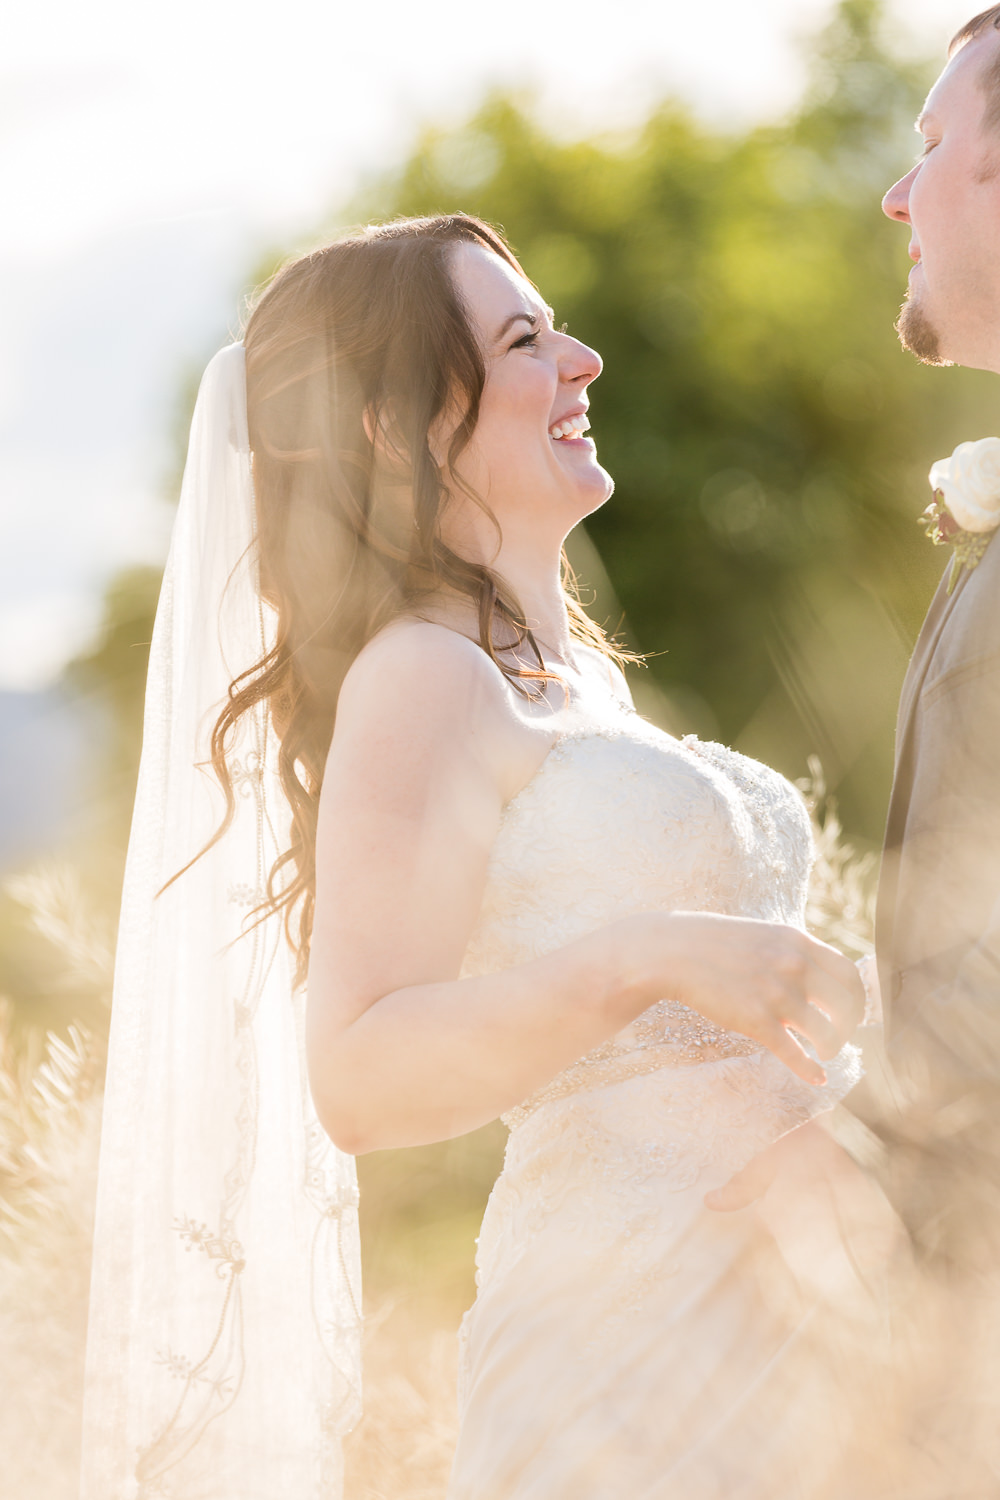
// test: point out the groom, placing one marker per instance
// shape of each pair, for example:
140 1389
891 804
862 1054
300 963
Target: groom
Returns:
938 919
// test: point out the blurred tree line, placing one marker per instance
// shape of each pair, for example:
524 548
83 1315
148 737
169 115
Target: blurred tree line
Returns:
769 439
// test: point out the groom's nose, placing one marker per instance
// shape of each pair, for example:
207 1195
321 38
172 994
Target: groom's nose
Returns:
896 203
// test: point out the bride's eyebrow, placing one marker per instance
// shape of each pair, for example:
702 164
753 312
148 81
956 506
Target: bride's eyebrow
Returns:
530 318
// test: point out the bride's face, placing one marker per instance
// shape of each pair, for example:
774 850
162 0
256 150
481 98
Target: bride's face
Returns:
537 482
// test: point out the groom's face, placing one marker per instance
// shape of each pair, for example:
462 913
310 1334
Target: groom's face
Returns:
951 201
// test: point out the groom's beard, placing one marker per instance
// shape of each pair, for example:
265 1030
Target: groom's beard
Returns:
918 335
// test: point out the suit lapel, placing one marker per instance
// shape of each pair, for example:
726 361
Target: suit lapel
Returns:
937 617
899 800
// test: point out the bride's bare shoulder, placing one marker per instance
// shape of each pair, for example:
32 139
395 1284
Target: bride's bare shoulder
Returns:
419 661
415 639
421 692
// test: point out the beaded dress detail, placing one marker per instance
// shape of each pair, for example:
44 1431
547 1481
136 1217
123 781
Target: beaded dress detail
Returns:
598 1212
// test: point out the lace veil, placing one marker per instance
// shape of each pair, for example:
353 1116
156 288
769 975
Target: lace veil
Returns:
223 1348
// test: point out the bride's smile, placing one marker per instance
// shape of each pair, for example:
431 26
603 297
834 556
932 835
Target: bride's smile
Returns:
529 458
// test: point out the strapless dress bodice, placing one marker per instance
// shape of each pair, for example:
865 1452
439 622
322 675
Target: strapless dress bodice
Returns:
622 818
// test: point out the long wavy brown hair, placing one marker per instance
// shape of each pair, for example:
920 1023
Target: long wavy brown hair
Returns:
353 353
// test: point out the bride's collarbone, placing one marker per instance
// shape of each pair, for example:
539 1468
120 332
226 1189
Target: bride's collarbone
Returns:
537 724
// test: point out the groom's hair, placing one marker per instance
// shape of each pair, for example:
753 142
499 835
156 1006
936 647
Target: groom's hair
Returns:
990 77
971 29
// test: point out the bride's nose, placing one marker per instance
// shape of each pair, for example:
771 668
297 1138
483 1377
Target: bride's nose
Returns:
578 363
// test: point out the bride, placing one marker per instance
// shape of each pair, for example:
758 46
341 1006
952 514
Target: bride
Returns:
513 897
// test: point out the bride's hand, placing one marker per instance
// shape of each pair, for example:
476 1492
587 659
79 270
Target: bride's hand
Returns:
764 980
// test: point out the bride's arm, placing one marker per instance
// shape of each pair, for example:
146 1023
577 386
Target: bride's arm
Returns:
401 1051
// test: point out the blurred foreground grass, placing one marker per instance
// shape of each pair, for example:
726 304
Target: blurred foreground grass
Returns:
420 1215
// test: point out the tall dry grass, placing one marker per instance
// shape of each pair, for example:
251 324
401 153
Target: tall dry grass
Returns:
49 1129
841 904
420 1213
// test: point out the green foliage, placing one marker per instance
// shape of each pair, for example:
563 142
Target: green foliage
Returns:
420 1215
768 437
115 671
38 909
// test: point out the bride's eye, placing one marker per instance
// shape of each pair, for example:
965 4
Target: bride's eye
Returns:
527 342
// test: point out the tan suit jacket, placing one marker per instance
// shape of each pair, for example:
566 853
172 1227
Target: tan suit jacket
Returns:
938 915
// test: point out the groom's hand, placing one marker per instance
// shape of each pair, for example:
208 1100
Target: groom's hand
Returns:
749 1185
827 1216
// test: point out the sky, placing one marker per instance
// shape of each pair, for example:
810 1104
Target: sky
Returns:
149 154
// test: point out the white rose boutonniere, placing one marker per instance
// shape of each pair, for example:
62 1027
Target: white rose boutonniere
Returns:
965 510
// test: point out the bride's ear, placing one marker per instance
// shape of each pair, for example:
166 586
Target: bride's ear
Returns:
441 432
390 448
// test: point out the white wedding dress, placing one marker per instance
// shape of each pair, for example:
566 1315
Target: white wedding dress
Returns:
626 1343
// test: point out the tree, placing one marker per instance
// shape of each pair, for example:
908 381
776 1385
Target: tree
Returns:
769 439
